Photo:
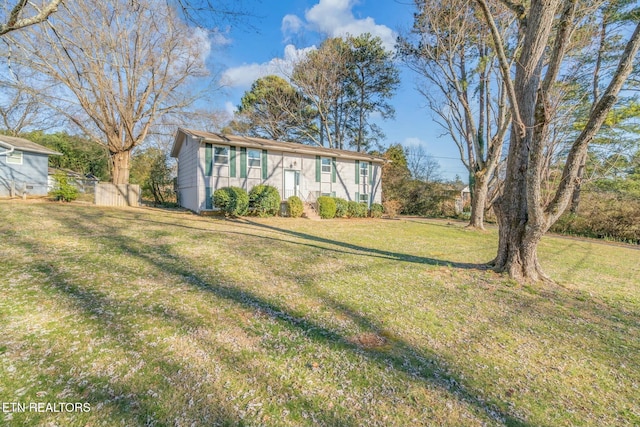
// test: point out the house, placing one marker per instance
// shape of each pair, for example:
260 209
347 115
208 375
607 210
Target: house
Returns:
23 167
208 161
85 183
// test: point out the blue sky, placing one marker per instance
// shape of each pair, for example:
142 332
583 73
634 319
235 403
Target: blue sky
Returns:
287 28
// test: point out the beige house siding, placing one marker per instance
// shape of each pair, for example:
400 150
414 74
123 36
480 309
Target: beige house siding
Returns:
197 182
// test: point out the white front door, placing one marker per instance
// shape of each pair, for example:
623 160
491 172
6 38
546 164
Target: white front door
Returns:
291 183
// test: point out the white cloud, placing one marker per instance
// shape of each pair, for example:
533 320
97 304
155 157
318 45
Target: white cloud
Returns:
221 37
291 24
244 75
229 108
413 141
335 19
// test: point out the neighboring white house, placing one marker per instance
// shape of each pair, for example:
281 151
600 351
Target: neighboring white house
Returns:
208 161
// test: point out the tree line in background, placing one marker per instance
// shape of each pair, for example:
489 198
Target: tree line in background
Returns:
329 99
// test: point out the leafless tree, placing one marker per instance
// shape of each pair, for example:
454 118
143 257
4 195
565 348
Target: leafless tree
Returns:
450 49
20 108
422 166
23 13
123 63
546 30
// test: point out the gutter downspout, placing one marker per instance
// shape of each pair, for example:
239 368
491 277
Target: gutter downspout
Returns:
8 146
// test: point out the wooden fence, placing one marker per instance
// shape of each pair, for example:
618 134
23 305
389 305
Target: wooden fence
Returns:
108 194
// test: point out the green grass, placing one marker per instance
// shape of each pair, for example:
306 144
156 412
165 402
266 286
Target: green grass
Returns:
169 319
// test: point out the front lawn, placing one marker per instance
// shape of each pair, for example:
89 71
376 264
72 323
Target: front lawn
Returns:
165 318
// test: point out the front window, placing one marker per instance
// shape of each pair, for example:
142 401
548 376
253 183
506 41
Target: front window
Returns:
326 165
221 155
253 158
364 198
364 168
15 158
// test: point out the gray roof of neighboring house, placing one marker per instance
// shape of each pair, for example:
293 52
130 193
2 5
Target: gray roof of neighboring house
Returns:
245 141
22 144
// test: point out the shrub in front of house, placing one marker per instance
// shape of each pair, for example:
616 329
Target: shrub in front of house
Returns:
376 210
294 207
233 201
357 209
264 200
326 207
341 207
392 208
63 190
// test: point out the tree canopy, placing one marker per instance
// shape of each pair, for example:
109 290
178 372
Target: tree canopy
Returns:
274 109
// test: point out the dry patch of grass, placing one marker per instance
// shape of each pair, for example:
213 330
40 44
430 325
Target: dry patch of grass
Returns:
165 318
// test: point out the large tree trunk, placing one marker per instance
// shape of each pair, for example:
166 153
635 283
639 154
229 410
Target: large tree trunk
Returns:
517 243
120 167
479 191
519 235
522 217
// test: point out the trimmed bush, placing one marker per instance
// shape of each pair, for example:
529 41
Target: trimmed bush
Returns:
233 201
221 198
341 207
294 207
264 200
63 190
392 208
326 207
356 209
376 210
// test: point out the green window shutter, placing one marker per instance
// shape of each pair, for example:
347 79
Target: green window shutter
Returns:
318 169
243 162
232 162
208 201
208 159
357 197
333 169
370 173
265 171
357 171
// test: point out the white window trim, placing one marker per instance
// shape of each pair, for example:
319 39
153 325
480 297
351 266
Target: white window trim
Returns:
228 155
249 159
15 158
322 165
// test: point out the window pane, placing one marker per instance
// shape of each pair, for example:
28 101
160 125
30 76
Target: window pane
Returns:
364 197
326 165
253 158
221 155
364 168
15 158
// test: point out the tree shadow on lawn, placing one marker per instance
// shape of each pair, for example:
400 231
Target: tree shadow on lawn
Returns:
128 401
350 248
420 365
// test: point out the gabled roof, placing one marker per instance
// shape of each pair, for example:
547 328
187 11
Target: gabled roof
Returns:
22 144
267 144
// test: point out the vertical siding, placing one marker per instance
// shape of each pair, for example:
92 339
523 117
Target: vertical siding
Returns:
30 176
108 194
